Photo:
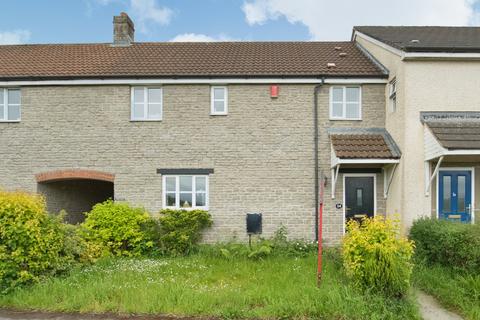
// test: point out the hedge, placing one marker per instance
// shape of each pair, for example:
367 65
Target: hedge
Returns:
450 244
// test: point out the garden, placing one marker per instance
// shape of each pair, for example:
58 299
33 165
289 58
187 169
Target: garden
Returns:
122 260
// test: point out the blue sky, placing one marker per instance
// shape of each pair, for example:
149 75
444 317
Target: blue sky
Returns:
57 21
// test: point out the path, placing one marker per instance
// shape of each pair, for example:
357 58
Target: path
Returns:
430 309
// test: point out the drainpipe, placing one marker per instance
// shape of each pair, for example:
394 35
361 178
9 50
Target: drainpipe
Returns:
315 147
318 205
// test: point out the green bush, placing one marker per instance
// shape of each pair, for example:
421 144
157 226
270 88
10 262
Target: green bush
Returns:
118 229
181 229
450 244
375 256
32 243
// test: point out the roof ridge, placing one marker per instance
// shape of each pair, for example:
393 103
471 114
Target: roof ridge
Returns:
179 43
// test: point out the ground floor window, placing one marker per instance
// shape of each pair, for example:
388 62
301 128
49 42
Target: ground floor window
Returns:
185 192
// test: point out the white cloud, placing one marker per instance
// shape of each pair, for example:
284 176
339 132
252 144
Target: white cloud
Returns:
143 12
149 11
14 37
198 37
333 20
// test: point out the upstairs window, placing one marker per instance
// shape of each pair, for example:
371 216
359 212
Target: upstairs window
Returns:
185 192
392 87
10 101
147 104
345 103
219 103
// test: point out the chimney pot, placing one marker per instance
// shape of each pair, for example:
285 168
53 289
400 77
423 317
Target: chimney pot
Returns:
123 30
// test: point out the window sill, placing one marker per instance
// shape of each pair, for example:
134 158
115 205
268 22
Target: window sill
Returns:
345 119
10 121
145 120
187 209
219 114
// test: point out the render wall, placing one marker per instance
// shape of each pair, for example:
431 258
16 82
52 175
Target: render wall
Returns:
394 123
433 86
426 85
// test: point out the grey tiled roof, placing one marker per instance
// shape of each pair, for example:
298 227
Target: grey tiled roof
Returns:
454 130
426 39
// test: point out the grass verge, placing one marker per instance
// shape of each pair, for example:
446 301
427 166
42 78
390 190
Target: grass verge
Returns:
455 290
202 284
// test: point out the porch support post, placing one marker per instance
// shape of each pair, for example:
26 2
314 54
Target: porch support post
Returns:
387 180
334 179
429 181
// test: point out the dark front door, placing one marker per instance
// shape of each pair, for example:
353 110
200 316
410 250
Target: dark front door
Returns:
359 198
455 195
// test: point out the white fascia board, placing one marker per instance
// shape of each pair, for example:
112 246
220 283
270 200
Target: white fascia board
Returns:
440 55
367 161
191 81
465 152
355 80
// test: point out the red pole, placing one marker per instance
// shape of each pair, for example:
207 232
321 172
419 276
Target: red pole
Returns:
320 238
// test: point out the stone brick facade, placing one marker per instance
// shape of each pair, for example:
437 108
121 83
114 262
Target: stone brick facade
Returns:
262 151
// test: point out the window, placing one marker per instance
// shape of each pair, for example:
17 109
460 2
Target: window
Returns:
185 192
345 103
147 104
219 104
393 94
10 101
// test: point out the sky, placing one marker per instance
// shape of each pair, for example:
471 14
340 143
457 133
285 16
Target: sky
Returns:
86 21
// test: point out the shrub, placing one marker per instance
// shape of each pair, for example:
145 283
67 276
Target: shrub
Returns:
181 229
375 257
32 243
447 243
118 229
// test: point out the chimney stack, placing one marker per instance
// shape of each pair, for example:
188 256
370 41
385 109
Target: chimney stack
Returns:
123 30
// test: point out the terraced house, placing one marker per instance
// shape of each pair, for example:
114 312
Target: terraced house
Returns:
233 127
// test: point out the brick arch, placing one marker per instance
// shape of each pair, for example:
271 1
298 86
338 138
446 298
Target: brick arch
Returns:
73 174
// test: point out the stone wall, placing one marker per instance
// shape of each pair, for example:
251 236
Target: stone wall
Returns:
262 151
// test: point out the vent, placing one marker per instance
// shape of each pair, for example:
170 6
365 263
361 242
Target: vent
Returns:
331 65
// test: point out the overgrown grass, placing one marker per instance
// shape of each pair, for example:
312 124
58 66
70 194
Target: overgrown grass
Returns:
458 291
202 284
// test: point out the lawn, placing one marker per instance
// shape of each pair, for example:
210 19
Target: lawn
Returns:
458 291
203 284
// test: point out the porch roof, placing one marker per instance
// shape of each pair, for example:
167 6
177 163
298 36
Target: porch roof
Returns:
369 145
451 133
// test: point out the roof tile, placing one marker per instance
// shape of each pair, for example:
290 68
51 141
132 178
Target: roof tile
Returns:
170 59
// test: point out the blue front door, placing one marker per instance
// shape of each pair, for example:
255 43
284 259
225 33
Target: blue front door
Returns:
455 195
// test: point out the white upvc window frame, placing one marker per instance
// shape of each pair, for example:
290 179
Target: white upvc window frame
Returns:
178 191
344 102
4 116
213 100
392 94
146 103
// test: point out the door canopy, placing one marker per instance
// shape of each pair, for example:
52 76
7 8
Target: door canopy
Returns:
74 174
